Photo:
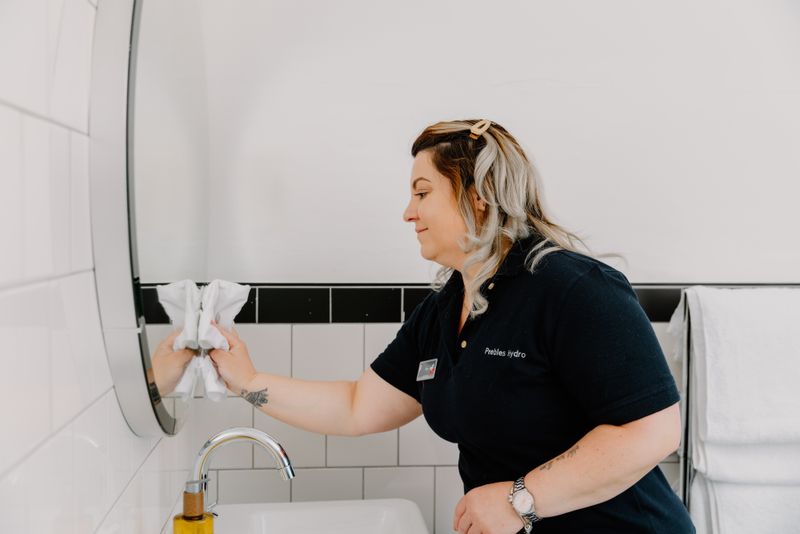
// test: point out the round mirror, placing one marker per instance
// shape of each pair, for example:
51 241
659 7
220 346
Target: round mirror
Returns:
130 252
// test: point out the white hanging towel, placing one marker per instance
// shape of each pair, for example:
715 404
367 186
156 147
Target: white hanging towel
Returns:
722 508
746 363
221 301
181 301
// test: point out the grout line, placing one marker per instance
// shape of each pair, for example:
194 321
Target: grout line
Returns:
291 350
41 117
30 452
377 466
70 188
398 446
51 76
26 282
434 499
127 485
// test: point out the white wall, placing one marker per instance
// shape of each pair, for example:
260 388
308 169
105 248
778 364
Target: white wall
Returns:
666 132
170 144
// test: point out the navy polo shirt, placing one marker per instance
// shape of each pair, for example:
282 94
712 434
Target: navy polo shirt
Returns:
558 352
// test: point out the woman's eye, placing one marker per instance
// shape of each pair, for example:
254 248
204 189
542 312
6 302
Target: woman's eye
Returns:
420 195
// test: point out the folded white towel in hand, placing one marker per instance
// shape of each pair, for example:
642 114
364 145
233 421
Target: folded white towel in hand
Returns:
181 301
221 301
194 309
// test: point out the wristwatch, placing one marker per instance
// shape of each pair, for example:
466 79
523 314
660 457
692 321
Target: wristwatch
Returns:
522 502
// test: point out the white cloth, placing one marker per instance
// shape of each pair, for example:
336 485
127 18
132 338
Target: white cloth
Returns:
763 463
719 507
745 434
220 301
746 363
181 301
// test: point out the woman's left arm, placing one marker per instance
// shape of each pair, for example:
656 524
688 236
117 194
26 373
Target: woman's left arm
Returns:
605 462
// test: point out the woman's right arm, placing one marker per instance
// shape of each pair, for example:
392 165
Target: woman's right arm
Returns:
338 408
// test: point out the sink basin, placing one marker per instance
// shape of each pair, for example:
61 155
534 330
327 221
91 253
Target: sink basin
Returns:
368 516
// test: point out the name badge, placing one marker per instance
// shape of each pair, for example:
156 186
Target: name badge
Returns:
427 369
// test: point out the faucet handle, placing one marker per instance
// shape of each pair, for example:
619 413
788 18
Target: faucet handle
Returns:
210 508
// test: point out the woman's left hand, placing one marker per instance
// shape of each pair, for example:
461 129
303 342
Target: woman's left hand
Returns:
169 365
486 510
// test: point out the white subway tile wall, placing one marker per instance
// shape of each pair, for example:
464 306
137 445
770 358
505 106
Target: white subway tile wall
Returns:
411 462
448 490
68 461
328 484
252 486
412 483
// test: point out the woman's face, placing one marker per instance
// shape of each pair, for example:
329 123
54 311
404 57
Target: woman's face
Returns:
433 209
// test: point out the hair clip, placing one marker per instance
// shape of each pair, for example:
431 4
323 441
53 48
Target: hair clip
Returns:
479 127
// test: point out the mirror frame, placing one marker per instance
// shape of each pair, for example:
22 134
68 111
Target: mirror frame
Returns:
112 221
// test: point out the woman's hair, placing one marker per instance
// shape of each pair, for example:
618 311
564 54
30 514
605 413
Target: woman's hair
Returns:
497 167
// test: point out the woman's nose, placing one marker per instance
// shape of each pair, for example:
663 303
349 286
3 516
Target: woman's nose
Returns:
408 214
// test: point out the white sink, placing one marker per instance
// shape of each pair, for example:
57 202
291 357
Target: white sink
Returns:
369 516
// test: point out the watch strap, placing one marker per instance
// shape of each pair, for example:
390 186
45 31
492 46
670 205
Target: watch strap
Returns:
527 518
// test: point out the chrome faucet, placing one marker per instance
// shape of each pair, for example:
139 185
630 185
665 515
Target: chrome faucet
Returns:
197 484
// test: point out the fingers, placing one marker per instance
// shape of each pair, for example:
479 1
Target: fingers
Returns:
460 508
170 339
465 525
215 354
186 354
230 335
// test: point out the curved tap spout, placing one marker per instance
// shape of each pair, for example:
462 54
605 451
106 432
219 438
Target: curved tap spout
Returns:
199 477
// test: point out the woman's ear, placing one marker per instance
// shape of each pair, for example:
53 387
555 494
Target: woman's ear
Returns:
477 203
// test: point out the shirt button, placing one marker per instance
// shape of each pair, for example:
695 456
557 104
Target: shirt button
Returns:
463 344
491 285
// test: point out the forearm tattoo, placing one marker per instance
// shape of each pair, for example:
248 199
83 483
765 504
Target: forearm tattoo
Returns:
256 398
569 454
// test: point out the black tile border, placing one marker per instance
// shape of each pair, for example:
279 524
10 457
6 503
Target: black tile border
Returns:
380 303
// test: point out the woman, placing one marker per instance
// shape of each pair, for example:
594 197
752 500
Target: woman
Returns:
535 358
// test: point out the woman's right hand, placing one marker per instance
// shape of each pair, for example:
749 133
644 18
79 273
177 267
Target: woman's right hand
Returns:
234 365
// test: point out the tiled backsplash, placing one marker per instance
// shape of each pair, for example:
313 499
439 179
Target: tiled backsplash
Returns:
359 303
411 462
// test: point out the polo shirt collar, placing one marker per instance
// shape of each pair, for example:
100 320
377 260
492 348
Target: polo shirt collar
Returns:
512 264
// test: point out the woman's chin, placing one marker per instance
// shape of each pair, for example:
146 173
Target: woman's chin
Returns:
423 253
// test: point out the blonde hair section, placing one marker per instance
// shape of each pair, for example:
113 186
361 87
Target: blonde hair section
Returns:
510 185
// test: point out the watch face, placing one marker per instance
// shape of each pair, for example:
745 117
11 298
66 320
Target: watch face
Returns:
522 502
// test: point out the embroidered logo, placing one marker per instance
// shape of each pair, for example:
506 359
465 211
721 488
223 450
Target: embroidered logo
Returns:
504 353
